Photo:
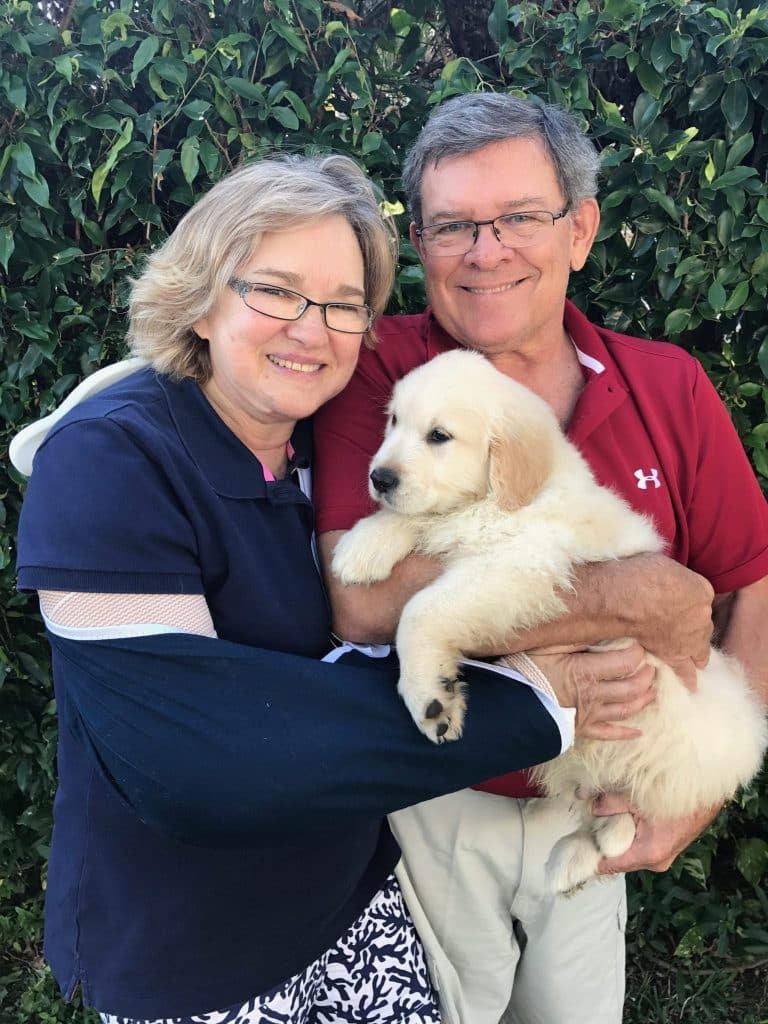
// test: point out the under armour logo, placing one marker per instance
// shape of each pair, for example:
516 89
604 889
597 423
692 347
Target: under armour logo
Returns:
643 480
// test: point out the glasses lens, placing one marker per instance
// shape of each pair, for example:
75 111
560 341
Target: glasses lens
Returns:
273 301
341 316
451 238
520 228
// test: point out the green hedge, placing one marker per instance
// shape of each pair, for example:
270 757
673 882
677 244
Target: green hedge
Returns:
115 115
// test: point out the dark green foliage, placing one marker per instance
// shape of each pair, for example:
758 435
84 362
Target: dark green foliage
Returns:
115 114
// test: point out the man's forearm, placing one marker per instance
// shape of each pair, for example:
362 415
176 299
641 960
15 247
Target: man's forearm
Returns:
649 597
744 635
370 614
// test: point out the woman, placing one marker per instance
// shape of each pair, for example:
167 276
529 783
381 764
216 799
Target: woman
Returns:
220 851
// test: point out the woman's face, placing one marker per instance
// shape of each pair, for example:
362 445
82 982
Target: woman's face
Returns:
279 371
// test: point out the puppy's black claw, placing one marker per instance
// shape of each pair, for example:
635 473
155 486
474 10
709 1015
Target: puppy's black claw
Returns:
442 729
434 708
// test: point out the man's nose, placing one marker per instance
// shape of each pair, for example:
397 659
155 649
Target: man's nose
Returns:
487 247
384 480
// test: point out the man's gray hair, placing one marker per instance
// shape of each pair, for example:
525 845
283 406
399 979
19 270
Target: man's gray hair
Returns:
464 124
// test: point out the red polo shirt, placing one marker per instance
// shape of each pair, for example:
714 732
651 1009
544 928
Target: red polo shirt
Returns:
648 421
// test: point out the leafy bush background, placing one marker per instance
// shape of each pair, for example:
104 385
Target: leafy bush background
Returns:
115 115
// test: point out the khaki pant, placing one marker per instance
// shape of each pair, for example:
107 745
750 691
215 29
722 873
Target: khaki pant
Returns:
498 945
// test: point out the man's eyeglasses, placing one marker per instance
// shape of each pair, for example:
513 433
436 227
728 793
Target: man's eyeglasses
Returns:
513 230
283 304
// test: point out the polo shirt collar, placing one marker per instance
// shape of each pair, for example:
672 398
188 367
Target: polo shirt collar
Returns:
225 462
604 389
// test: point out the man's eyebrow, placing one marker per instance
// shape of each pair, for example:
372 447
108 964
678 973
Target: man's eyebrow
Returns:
525 203
296 282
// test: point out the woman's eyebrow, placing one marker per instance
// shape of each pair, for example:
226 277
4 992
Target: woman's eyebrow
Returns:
296 282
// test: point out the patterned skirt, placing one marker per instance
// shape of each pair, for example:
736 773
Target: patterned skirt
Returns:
375 974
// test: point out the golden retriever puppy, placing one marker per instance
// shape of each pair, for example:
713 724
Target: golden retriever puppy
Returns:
475 470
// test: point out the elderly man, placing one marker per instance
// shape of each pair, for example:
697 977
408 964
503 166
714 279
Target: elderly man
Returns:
501 192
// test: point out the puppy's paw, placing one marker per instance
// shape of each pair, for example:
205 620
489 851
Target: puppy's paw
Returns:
614 834
359 558
438 710
572 863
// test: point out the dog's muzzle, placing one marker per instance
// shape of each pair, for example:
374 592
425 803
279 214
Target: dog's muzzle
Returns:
384 480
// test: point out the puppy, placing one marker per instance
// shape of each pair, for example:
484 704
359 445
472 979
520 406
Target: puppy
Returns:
474 469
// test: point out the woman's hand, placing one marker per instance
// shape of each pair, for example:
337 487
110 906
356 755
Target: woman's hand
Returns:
605 687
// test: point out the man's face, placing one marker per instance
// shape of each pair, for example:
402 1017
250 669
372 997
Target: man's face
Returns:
496 299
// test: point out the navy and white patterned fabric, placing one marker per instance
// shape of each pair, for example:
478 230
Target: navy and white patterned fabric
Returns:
375 974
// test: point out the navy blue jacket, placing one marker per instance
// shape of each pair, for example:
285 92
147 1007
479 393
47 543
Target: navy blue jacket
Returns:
219 817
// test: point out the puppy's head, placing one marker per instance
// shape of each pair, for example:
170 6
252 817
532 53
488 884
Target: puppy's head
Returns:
458 432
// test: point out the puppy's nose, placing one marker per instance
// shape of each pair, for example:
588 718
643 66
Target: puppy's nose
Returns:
384 480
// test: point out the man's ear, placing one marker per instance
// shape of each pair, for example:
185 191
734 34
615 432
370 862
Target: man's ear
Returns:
415 240
585 220
521 457
200 327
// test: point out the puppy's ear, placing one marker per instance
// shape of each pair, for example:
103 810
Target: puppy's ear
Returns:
521 460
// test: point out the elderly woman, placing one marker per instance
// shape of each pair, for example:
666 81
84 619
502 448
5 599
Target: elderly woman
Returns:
220 851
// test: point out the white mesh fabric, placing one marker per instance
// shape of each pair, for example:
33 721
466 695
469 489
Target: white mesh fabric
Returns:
108 616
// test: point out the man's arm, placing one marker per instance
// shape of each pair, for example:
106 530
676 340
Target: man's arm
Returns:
741 620
665 606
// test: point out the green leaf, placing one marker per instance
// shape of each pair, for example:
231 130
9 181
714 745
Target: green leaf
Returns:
7 245
725 223
666 202
676 322
716 296
762 357
739 150
172 70
497 22
22 156
286 117
101 173
246 89
734 177
661 53
196 110
706 92
190 149
735 103
752 859
738 297
37 190
371 142
759 267
650 79
156 85
64 66
67 255
145 52
645 112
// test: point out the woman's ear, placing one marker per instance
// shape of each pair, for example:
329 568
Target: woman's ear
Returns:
200 327
521 456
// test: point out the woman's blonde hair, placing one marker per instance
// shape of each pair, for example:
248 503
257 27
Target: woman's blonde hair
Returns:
184 277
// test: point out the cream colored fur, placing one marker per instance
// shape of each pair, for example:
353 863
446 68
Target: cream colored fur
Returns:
487 482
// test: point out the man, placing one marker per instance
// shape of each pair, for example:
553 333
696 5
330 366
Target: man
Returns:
501 193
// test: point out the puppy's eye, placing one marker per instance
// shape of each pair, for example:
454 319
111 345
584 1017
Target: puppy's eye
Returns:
393 420
438 436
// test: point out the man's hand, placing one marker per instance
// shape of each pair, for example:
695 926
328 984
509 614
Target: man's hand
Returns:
655 846
605 687
666 607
